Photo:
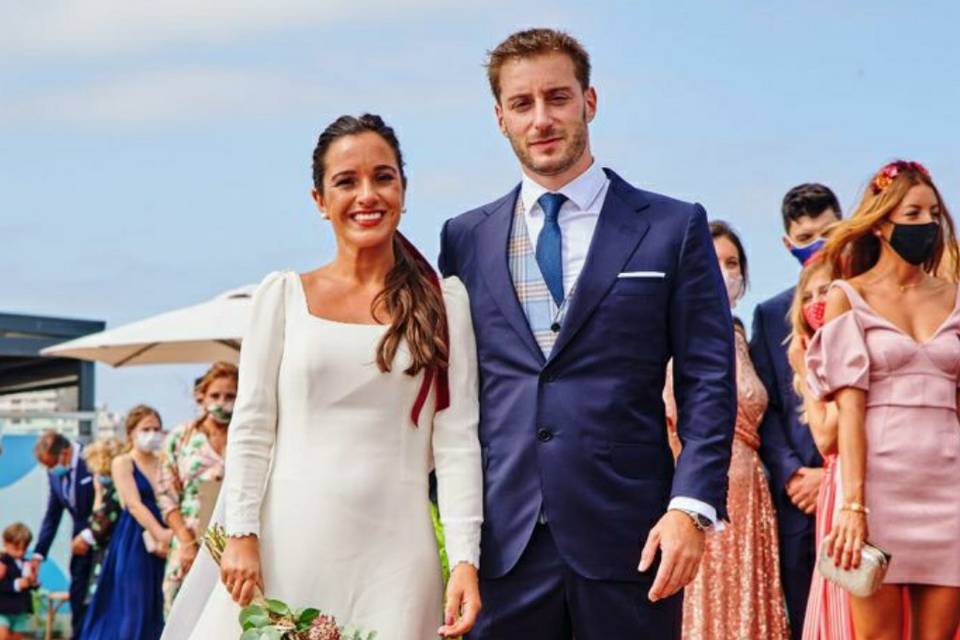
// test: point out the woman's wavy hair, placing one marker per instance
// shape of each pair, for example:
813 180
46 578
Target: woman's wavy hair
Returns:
799 327
410 295
854 249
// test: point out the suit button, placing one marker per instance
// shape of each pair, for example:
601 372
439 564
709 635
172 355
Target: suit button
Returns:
544 436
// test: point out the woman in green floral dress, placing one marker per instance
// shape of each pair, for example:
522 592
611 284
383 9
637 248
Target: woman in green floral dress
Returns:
193 454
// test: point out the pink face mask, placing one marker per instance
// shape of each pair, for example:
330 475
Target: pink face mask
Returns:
813 313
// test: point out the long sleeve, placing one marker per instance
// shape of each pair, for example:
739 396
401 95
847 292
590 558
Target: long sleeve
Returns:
254 424
701 332
169 486
456 447
51 521
775 448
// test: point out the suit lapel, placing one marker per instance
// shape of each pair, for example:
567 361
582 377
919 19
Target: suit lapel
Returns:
493 236
619 230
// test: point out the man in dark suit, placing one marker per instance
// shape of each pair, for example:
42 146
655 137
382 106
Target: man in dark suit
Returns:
71 489
787 448
582 287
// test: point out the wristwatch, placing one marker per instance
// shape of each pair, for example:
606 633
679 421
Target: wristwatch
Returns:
700 521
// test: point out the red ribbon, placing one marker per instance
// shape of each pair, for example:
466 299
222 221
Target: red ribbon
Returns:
440 374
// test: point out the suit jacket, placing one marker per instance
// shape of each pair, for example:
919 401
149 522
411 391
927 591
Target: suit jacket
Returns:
581 434
78 502
786 444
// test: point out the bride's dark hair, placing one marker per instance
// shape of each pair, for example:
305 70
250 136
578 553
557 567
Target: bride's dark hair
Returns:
410 295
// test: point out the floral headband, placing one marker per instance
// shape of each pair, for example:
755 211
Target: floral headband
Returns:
890 171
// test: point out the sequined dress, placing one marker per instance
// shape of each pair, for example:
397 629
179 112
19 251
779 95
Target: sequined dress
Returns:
737 593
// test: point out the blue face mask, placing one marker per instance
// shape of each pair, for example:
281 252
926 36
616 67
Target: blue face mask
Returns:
806 252
105 481
60 470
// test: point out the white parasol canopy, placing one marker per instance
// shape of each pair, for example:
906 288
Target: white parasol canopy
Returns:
205 332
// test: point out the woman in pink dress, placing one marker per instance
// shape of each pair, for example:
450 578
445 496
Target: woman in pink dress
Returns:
828 607
889 356
737 593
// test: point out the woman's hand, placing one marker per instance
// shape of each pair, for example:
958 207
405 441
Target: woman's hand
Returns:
188 554
846 540
240 568
463 599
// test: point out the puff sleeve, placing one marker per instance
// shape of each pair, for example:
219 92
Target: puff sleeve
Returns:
838 358
456 447
254 424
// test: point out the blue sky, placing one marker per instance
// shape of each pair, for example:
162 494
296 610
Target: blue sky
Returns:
155 154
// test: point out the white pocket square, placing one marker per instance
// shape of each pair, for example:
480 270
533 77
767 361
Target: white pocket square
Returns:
87 480
642 274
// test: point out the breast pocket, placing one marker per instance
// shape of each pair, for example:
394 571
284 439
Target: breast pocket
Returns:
645 286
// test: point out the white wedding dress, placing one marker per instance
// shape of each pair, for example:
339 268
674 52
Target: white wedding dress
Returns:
325 465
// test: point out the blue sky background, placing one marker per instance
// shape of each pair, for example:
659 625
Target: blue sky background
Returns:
155 154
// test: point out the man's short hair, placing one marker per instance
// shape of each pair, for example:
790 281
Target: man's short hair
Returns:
18 533
808 199
50 443
537 42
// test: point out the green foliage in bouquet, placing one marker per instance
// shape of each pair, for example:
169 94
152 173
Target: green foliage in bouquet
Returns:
266 619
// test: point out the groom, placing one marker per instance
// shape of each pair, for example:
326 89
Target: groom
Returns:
582 287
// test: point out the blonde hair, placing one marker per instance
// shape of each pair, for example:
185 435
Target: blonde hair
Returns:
134 417
854 249
101 453
217 371
799 327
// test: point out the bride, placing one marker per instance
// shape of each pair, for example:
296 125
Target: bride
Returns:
356 380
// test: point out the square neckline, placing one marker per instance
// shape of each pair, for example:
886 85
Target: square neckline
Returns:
306 308
857 298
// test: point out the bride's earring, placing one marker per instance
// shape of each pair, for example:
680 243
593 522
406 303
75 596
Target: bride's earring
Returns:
324 214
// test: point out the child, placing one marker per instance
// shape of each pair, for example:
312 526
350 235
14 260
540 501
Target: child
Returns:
16 582
106 506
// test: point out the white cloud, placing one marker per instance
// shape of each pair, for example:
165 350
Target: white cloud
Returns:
96 27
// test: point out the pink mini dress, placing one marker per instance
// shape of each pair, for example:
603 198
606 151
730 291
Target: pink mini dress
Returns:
912 429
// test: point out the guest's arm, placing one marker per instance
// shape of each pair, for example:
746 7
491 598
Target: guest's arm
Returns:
169 496
456 452
777 453
51 522
702 344
838 369
122 472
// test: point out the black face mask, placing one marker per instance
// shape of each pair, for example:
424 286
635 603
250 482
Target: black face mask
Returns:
915 242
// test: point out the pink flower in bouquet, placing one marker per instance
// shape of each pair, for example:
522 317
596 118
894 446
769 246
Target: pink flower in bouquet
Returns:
324 627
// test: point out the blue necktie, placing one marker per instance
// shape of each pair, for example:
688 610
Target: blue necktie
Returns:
549 243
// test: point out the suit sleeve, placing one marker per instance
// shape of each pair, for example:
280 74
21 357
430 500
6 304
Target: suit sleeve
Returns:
447 260
704 369
775 450
51 522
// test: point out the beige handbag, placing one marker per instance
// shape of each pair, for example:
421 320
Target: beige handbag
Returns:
863 581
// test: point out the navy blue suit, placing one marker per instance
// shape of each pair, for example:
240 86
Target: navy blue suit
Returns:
786 444
78 501
580 436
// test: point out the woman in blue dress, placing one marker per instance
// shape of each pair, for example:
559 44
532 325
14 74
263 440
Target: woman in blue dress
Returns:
128 602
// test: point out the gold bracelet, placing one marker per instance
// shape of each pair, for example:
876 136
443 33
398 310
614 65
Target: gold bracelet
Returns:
855 507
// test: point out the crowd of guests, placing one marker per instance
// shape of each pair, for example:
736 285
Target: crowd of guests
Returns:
136 508
846 433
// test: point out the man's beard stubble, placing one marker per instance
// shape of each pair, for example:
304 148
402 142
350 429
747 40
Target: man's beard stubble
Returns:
554 166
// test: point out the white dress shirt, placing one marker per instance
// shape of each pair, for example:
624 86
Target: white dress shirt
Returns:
578 220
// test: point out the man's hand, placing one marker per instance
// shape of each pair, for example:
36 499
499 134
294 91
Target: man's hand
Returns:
79 546
803 487
681 547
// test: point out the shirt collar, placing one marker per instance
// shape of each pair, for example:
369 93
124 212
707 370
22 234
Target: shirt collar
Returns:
581 191
74 455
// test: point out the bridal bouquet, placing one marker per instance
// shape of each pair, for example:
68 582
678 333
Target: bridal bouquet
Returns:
266 619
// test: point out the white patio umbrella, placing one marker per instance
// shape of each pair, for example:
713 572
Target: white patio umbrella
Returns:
205 332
